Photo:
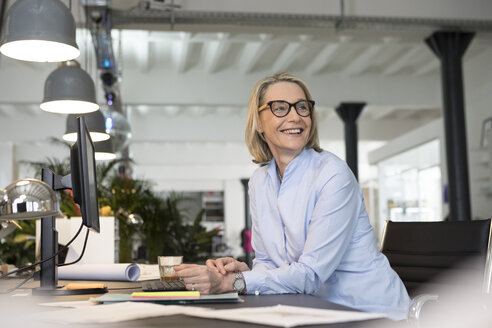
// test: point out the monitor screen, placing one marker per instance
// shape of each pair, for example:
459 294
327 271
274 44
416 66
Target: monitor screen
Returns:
83 170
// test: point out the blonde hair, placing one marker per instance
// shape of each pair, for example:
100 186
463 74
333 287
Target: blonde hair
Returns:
256 143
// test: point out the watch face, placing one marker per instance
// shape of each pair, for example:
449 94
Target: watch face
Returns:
239 284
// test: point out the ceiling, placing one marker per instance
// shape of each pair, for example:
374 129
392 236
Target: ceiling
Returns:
185 69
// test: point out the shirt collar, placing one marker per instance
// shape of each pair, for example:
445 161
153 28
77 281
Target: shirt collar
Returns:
272 167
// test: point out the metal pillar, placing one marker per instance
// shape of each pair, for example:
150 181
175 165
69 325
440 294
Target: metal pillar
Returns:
247 227
49 244
349 113
450 47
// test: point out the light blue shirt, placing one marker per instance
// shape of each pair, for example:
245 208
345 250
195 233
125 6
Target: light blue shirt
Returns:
311 234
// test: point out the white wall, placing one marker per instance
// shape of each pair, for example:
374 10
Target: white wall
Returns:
6 164
478 98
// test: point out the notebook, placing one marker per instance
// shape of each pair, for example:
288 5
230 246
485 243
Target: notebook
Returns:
170 298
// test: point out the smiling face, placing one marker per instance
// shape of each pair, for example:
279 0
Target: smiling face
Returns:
286 136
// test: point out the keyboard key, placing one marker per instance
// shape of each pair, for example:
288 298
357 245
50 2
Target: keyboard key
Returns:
156 286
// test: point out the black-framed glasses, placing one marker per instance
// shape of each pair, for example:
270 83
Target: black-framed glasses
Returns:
281 108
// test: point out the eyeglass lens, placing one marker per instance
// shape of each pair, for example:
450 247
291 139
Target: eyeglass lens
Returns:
282 108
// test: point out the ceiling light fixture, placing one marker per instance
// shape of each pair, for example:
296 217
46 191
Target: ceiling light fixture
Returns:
104 150
95 122
69 90
39 31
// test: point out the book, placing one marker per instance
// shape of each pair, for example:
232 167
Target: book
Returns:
170 295
216 298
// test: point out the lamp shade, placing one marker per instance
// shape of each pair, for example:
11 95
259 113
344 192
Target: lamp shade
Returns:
103 151
28 199
40 31
69 90
95 123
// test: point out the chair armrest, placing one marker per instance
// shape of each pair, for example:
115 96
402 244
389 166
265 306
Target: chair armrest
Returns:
417 304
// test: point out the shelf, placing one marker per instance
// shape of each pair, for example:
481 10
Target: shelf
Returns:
213 204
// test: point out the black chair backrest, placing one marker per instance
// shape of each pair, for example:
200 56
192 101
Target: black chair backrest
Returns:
423 253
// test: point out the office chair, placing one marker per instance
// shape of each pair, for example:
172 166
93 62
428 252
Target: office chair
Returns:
426 254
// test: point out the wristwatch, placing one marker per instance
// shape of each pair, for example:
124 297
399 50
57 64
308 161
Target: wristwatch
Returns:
239 284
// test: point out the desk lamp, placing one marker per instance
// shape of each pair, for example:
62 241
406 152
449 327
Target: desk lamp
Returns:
32 199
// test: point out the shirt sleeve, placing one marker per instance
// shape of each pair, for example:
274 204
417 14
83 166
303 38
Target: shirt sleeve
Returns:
261 261
330 231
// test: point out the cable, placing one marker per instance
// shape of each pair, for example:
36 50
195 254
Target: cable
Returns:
49 258
19 285
81 254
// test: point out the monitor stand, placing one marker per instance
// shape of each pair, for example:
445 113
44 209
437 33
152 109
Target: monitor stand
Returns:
48 274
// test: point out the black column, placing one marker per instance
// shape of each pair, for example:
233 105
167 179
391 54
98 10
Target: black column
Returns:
450 48
248 255
349 113
49 243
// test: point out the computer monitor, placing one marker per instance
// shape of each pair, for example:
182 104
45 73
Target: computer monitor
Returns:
83 170
82 181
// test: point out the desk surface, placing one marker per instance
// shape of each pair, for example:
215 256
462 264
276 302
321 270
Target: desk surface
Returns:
11 301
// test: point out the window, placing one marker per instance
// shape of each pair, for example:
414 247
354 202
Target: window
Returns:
410 185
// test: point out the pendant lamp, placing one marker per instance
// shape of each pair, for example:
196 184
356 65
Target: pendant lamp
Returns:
39 31
103 151
69 90
95 122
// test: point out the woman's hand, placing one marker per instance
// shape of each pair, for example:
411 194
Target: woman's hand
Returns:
204 280
224 265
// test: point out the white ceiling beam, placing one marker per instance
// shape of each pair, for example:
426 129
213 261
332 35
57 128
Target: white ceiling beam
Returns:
291 52
359 64
34 66
323 58
184 53
379 112
432 65
197 111
217 51
171 111
407 113
144 53
141 110
325 113
8 110
253 52
34 109
400 63
226 111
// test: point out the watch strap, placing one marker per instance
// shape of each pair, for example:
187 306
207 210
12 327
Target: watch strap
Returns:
239 276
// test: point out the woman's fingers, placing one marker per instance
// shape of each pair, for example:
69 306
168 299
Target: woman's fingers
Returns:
236 266
212 265
224 264
218 264
187 271
243 266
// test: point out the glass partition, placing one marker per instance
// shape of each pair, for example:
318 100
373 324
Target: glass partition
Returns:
410 187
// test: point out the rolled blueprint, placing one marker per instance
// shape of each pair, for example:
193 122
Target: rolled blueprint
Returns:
112 272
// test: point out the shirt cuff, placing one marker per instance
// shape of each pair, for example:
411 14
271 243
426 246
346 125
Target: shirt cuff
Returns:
254 282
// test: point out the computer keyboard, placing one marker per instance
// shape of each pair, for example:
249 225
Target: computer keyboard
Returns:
157 286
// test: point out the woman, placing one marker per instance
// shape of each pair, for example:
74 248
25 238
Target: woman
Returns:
311 233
